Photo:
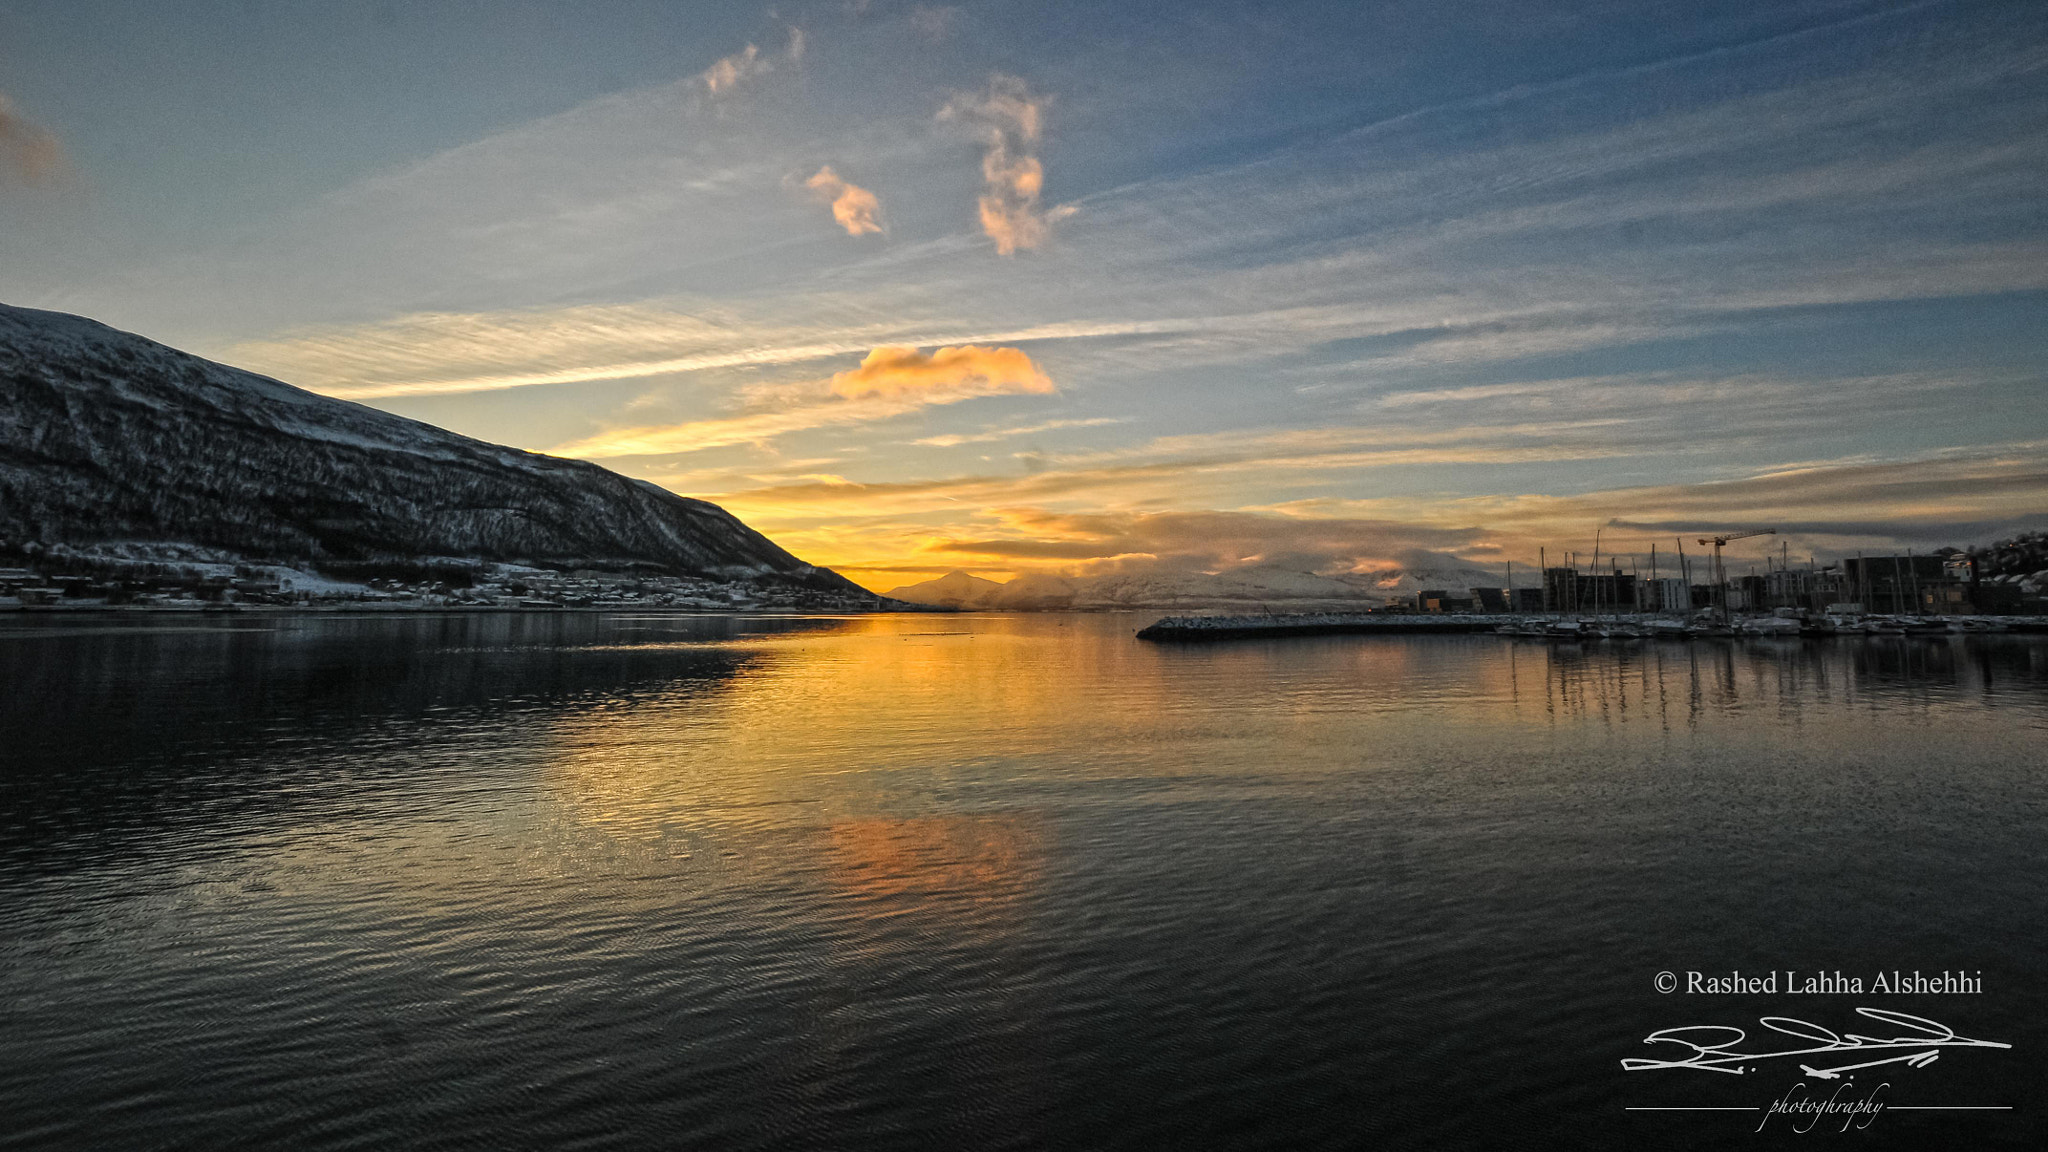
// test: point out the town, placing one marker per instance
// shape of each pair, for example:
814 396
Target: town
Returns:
1997 589
2009 578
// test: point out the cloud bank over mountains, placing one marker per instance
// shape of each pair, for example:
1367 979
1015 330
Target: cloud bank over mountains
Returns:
1779 268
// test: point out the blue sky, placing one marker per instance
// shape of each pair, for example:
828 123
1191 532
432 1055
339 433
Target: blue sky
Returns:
1318 285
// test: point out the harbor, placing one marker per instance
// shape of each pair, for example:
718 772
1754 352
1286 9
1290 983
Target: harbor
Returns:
1948 592
1555 629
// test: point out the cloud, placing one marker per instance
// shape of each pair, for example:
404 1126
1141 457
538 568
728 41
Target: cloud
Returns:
1828 509
1825 508
27 150
1523 267
890 381
892 371
1010 118
1225 473
1008 105
451 353
1210 540
721 432
935 24
857 209
445 353
726 75
749 62
952 440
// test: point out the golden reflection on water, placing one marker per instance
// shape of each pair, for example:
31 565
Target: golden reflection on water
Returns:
985 859
911 766
893 849
879 717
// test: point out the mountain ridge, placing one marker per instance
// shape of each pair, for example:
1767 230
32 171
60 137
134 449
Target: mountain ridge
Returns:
107 437
1255 587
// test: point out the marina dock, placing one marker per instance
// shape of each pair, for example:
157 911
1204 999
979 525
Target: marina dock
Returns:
1199 629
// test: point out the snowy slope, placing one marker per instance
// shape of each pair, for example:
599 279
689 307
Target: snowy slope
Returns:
1457 580
1244 588
106 436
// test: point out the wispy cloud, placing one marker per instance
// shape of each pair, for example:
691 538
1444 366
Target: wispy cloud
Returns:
1675 427
1509 251
992 435
722 432
28 151
1203 540
1010 118
1955 496
438 354
935 23
1828 508
1624 281
855 208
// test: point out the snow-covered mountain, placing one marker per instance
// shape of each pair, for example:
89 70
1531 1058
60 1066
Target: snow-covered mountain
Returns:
1456 579
1245 589
953 590
107 438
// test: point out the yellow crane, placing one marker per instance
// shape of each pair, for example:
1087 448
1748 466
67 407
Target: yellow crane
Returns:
1721 577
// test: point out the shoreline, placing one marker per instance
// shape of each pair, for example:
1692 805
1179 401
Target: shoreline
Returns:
375 609
1208 629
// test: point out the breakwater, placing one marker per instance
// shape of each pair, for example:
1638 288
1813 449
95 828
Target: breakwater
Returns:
1197 628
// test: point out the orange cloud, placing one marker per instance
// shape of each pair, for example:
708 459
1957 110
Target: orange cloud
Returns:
726 75
1011 119
857 209
889 382
892 371
748 63
26 149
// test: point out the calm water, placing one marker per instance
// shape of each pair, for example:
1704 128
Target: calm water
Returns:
958 881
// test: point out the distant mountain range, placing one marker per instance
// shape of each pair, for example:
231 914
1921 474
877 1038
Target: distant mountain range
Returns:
110 439
1243 589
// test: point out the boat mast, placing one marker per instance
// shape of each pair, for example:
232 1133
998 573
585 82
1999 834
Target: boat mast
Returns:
1685 574
1596 572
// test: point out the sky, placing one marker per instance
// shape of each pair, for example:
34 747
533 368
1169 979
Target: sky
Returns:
1090 287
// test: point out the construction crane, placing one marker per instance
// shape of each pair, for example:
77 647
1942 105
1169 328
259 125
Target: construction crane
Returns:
1721 577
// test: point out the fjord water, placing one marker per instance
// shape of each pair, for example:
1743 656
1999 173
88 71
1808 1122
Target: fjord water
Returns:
983 881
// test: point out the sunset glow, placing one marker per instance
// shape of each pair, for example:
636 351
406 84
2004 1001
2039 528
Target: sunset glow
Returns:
919 289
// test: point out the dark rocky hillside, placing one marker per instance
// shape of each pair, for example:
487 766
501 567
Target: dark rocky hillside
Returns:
108 438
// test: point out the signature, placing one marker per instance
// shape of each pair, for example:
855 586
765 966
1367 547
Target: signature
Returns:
1717 1047
1798 1102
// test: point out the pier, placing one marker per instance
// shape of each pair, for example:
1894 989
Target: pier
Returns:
1200 628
